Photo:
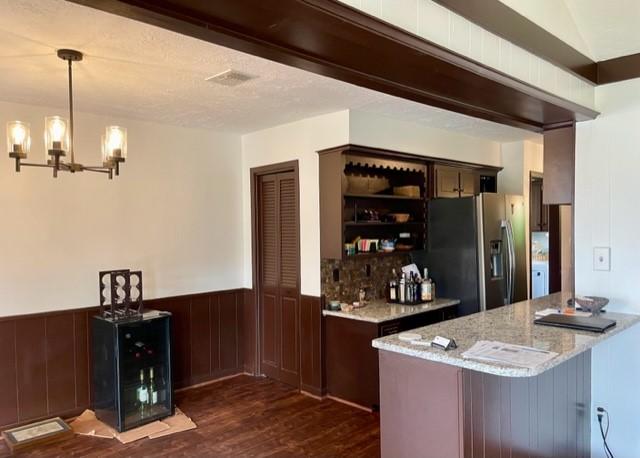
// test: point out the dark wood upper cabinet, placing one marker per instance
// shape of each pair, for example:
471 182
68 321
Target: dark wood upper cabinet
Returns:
469 183
447 182
457 181
357 182
538 212
559 165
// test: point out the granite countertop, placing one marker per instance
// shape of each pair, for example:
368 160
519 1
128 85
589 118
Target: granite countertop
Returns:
510 324
380 311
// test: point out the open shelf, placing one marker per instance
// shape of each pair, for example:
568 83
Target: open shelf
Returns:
379 223
379 253
381 196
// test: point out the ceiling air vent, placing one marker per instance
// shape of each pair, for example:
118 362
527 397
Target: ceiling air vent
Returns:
230 78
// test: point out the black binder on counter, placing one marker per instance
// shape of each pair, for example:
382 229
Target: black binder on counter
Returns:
582 323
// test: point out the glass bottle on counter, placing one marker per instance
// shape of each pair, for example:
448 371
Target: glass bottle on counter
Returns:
426 294
402 289
393 287
418 290
411 289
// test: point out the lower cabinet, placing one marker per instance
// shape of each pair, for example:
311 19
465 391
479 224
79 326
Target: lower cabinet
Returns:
351 361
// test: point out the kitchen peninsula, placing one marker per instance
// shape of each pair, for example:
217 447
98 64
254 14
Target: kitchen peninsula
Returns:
352 364
437 403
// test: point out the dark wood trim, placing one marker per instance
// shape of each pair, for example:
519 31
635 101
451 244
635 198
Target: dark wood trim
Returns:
335 40
312 367
45 358
555 250
386 153
496 17
619 69
255 173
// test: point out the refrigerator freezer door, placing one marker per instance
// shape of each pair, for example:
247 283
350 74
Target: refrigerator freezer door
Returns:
452 251
492 250
515 214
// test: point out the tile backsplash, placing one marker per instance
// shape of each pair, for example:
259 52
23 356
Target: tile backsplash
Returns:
342 279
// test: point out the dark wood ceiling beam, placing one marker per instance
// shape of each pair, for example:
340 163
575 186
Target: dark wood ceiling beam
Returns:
619 69
332 39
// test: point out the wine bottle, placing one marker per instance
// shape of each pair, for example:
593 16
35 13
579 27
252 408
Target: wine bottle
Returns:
427 287
142 394
393 287
410 286
153 390
402 288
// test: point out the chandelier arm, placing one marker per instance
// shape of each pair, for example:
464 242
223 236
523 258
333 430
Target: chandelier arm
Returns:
31 164
97 169
71 112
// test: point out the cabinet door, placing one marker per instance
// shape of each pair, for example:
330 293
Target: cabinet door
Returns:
535 212
468 183
544 211
447 182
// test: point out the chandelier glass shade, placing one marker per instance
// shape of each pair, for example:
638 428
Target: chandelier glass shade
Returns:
58 138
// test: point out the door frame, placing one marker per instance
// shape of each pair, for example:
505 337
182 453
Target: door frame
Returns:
554 275
256 173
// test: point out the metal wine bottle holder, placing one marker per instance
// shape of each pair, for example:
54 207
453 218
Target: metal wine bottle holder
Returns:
120 294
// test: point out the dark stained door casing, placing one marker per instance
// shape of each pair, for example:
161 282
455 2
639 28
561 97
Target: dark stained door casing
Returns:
278 269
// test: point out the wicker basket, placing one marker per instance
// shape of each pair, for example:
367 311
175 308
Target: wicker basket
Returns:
407 191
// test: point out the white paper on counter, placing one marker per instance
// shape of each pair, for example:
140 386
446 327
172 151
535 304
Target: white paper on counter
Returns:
516 355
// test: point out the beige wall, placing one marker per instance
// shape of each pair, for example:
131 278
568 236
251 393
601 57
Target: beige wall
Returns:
173 212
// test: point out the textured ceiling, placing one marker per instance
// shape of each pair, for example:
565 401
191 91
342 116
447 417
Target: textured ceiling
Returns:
139 71
600 29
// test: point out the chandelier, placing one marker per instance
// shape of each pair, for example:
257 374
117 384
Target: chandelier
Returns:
58 138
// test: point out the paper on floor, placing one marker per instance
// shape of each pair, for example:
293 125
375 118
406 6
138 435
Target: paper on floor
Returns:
88 425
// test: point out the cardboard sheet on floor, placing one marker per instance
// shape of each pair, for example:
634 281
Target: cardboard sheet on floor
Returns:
88 425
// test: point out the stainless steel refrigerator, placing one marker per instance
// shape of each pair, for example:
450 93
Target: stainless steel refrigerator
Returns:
476 250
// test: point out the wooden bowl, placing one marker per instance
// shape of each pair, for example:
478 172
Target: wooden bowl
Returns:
400 217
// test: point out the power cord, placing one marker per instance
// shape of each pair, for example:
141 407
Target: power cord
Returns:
604 431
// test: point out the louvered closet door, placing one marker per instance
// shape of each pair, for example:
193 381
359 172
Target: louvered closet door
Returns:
279 289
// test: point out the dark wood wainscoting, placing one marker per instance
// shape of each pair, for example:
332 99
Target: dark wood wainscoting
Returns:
45 357
312 378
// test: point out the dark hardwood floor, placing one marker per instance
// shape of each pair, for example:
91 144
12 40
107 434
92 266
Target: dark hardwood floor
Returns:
241 417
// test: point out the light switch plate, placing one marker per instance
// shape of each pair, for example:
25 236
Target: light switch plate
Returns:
602 258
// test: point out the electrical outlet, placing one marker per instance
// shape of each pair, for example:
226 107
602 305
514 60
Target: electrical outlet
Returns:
602 258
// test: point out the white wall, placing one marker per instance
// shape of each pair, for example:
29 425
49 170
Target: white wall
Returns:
165 215
295 141
607 214
385 132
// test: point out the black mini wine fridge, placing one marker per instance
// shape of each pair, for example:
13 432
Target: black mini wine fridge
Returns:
131 379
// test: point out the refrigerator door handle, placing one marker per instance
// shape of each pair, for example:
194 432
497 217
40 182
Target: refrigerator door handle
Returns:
511 253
